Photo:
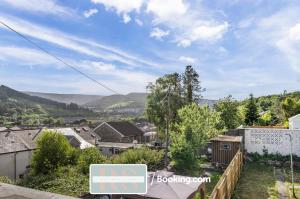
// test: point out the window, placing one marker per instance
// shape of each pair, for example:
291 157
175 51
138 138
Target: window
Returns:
225 146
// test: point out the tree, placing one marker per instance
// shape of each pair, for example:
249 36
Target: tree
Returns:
90 156
251 115
229 112
152 158
157 109
197 124
191 85
290 107
53 150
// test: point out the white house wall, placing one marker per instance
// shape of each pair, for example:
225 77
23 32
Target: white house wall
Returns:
7 163
294 123
274 140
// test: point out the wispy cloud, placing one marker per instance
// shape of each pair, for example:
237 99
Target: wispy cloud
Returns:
187 60
45 6
90 12
158 33
71 42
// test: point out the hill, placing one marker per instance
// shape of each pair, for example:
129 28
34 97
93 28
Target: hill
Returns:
21 108
66 98
130 103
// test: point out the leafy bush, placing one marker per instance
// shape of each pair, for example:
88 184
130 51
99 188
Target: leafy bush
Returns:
53 151
89 156
65 180
5 179
152 158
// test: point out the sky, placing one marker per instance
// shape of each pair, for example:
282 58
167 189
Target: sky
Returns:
237 47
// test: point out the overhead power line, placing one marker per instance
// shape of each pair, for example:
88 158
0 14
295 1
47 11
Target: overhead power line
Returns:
59 59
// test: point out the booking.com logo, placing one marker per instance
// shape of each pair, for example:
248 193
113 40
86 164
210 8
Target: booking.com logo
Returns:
179 179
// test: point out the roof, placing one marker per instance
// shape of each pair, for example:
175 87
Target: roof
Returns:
227 138
86 134
118 145
70 132
126 128
10 142
9 191
295 116
176 189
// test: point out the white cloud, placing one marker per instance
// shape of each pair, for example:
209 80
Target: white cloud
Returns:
158 33
90 12
186 22
77 44
126 18
166 10
45 6
25 56
121 6
138 22
189 60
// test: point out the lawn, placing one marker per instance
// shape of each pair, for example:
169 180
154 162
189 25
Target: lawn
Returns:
256 181
296 180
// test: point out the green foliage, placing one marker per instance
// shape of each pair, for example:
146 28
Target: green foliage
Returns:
291 107
152 158
89 156
191 85
157 108
251 116
229 112
182 153
65 180
195 127
53 150
5 179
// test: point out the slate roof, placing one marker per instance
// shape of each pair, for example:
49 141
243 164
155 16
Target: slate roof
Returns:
10 142
86 134
126 128
9 191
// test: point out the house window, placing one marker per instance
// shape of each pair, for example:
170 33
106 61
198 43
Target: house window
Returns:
225 146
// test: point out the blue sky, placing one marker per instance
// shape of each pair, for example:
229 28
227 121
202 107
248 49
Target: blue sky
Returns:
237 46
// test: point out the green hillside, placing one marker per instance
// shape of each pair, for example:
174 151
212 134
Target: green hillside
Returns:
20 108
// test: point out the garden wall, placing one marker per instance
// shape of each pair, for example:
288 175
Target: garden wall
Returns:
273 140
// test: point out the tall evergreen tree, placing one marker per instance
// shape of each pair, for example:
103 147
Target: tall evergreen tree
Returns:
251 115
191 85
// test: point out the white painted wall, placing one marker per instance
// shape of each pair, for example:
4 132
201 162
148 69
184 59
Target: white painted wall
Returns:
274 140
7 163
294 122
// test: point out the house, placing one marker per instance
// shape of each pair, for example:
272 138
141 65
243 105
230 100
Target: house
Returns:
224 148
86 134
122 132
16 149
17 192
74 138
175 188
294 122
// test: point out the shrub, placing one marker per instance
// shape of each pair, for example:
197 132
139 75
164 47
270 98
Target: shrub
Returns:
5 179
89 156
53 150
152 158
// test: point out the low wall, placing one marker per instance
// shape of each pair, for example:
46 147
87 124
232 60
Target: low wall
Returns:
273 140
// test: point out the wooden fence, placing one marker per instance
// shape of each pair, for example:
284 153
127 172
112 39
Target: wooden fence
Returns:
225 187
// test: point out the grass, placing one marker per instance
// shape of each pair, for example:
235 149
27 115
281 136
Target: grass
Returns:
256 181
209 187
296 182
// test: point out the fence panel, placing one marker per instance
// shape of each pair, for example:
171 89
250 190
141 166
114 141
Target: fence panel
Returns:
225 187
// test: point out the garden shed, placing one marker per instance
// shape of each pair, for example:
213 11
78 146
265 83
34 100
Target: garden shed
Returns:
224 148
